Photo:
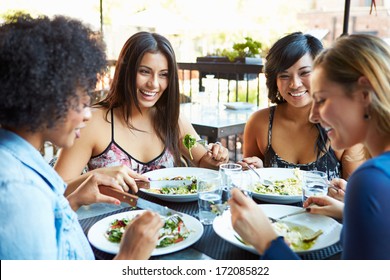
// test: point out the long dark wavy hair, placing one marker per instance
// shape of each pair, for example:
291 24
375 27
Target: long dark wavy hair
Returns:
43 62
284 54
123 91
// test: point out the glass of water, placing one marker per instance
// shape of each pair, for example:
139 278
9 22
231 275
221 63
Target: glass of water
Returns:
315 183
229 172
209 195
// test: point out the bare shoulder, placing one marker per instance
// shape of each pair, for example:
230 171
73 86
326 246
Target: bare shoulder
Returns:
185 126
259 118
97 125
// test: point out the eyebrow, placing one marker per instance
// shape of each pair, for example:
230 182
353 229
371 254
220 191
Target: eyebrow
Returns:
302 68
144 66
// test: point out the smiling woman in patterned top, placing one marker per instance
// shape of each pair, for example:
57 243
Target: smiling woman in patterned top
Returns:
138 126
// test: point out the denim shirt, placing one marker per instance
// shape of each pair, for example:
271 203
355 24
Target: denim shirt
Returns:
37 221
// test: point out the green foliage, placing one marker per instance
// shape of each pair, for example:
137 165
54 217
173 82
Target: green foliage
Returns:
250 48
11 16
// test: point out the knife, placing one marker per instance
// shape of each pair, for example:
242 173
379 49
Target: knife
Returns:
136 201
158 184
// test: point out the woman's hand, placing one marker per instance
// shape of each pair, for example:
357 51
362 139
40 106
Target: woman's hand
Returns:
337 189
249 221
123 175
325 205
254 162
215 155
218 152
88 192
140 237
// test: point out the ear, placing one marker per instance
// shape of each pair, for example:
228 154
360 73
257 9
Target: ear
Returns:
366 90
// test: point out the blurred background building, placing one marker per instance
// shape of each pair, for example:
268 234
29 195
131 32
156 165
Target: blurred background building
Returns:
197 28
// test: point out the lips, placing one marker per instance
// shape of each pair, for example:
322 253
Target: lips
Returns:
148 93
298 94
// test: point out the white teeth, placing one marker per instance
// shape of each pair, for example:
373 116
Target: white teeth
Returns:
148 93
297 94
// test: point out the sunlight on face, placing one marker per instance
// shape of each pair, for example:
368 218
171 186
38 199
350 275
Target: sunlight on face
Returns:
152 79
294 83
341 116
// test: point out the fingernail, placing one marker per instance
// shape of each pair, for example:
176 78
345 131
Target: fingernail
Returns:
308 209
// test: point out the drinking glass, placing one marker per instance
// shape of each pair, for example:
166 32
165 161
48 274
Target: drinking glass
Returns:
248 181
315 183
227 172
209 195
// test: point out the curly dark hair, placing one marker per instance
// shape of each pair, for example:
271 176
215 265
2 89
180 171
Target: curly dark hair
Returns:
42 63
283 54
123 91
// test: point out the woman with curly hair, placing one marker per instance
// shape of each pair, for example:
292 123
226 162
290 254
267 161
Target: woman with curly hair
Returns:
282 135
46 68
138 126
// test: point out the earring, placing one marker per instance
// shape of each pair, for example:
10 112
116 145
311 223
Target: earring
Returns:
278 95
367 117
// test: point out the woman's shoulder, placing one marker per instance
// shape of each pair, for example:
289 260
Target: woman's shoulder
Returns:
261 115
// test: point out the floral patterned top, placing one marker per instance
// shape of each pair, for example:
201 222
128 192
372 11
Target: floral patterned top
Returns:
327 163
114 155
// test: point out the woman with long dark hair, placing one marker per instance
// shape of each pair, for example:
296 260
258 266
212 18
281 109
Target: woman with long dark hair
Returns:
138 126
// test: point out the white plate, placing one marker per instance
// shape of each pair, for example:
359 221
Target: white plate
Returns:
239 105
270 173
223 226
173 172
97 238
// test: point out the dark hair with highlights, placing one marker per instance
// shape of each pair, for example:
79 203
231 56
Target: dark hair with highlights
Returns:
43 62
123 91
284 54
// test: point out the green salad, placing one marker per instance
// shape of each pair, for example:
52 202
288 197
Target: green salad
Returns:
288 186
174 228
189 142
181 190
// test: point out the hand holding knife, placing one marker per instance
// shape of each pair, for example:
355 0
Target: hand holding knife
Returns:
136 201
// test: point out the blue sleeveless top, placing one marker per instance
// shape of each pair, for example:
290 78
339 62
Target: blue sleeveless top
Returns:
327 163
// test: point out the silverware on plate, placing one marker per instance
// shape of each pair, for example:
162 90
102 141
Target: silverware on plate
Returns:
300 211
264 182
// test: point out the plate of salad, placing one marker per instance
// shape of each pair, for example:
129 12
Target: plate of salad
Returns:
284 185
106 234
294 229
183 193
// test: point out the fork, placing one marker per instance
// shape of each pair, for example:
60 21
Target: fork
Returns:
262 181
300 211
174 218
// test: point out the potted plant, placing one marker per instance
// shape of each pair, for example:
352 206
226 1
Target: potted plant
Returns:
248 52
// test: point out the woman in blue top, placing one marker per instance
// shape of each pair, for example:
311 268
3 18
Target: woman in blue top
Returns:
46 67
282 135
351 92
